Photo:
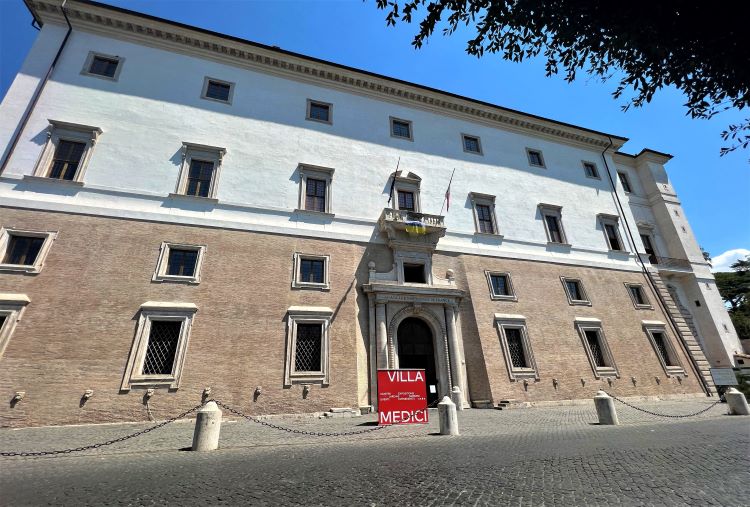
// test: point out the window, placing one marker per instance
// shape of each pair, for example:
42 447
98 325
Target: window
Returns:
11 309
67 151
591 171
485 221
648 246
179 263
102 66
514 341
307 345
401 129
552 217
158 353
471 144
501 287
414 273
406 191
596 347
23 250
217 90
406 200
610 227
311 272
535 157
319 111
315 188
199 173
663 348
625 182
575 291
638 296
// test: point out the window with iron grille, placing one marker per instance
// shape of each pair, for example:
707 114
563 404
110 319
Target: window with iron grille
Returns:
575 292
315 195
215 89
406 200
312 270
592 338
23 250
103 66
199 178
664 349
66 159
308 347
400 128
319 111
179 263
590 170
625 182
182 262
596 347
516 346
484 219
535 157
162 347
472 144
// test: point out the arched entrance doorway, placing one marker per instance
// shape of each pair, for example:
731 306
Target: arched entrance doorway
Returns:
416 350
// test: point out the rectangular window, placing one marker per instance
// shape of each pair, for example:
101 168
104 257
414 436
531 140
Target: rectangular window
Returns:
24 250
611 230
307 345
182 262
613 238
501 287
592 338
401 128
102 66
638 296
596 347
11 309
484 219
162 347
625 182
311 271
66 159
649 247
315 195
218 90
406 200
179 263
199 178
553 228
471 144
319 111
199 172
516 346
591 170
663 347
575 291
67 152
414 273
535 157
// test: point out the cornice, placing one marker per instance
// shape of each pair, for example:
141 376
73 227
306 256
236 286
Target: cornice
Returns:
111 21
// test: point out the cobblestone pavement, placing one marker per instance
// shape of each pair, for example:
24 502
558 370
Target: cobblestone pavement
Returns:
537 456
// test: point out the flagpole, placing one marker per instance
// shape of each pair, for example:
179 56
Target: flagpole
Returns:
447 192
393 183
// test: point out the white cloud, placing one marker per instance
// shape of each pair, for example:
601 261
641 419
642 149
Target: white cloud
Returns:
723 261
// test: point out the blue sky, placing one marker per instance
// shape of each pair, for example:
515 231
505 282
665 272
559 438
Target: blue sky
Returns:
714 190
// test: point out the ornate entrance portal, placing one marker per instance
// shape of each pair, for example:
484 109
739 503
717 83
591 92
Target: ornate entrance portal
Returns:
416 350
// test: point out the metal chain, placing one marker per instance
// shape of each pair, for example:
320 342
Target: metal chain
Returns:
103 444
292 430
665 415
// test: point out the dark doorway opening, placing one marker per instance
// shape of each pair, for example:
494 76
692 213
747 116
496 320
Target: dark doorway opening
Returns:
416 350
414 273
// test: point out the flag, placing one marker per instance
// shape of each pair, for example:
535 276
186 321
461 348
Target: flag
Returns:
448 198
415 227
393 183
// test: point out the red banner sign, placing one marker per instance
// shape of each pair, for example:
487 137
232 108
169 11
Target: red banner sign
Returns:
402 397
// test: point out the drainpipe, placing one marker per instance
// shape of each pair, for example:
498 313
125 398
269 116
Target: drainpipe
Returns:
649 278
37 94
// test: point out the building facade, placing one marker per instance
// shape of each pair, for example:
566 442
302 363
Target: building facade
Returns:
183 210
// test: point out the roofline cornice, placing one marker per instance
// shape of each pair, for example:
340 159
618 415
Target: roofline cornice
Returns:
114 21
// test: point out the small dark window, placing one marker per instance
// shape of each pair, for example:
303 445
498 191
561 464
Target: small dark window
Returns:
697 303
661 346
590 169
500 285
312 270
307 353
320 111
553 227
625 182
162 347
574 289
2 321
648 246
315 195
535 158
414 273
515 347
406 200
592 338
199 178
400 128
612 237
22 250
66 159
471 144
218 91
484 219
637 293
102 66
182 262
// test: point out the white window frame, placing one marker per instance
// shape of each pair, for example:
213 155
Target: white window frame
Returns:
12 307
647 303
503 322
317 173
86 71
597 176
64 131
501 297
310 102
591 324
298 283
307 315
7 232
162 264
158 311
541 157
204 90
190 151
393 119
614 221
555 211
486 200
649 327
479 144
409 183
623 175
571 301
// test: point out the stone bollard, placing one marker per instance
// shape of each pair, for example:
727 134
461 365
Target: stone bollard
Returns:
605 409
737 402
207 427
456 398
448 417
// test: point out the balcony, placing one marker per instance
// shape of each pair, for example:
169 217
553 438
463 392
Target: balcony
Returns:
404 228
671 264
